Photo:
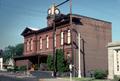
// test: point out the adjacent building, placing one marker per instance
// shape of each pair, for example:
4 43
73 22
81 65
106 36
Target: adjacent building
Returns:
95 34
1 60
113 59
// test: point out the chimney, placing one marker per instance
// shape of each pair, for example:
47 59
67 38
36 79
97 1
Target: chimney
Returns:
49 21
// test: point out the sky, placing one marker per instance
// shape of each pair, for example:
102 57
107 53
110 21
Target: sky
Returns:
16 15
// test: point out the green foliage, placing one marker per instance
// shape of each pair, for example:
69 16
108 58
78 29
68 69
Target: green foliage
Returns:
116 78
100 74
10 69
1 52
16 68
11 51
20 68
36 67
83 79
23 68
8 53
19 49
50 62
61 64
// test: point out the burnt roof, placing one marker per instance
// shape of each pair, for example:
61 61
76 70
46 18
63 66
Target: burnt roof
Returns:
59 20
91 18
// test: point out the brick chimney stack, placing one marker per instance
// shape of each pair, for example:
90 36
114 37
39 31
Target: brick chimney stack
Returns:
49 21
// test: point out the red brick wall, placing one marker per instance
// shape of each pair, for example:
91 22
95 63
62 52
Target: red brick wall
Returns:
28 38
21 63
96 34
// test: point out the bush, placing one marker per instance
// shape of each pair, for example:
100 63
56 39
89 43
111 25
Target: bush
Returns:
36 67
116 78
16 68
23 68
100 74
10 69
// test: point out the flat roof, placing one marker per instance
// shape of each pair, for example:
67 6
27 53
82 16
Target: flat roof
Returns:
113 44
92 18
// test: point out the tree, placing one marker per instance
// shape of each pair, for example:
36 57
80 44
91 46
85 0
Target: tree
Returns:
1 52
11 51
19 49
50 62
62 65
60 60
8 53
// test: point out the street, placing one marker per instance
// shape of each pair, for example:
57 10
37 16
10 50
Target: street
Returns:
35 76
7 78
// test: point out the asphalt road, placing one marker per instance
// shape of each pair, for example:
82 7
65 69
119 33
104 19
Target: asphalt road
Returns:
7 78
35 76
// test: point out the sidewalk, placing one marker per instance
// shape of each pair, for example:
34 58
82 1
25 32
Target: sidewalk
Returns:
56 79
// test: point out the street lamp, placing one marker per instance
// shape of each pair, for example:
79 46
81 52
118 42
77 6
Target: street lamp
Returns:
53 11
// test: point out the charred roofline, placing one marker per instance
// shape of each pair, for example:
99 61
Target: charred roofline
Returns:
92 18
62 19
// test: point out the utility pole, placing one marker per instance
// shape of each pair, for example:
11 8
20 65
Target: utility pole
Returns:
71 26
84 67
79 54
53 11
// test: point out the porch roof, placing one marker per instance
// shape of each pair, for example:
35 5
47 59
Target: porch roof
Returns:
27 56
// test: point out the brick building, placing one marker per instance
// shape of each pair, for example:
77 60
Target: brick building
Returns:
95 35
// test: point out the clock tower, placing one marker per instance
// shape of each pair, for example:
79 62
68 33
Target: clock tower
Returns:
52 13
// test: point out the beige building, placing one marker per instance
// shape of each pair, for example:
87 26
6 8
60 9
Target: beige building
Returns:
1 63
113 59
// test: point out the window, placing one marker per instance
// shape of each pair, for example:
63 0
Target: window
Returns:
55 40
40 43
47 41
61 38
31 44
68 37
68 57
117 59
117 67
117 62
27 45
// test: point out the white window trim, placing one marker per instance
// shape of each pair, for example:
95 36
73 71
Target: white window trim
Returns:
27 48
40 42
55 40
68 37
47 41
31 46
61 38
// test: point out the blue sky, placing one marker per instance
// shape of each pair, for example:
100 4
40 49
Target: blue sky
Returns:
15 15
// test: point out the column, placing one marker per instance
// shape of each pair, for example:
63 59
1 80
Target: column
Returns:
110 63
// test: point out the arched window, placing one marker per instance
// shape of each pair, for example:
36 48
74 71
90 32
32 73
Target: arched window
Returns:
47 41
27 45
40 43
61 38
55 40
31 44
68 37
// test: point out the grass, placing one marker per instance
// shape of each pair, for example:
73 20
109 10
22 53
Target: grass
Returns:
88 79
